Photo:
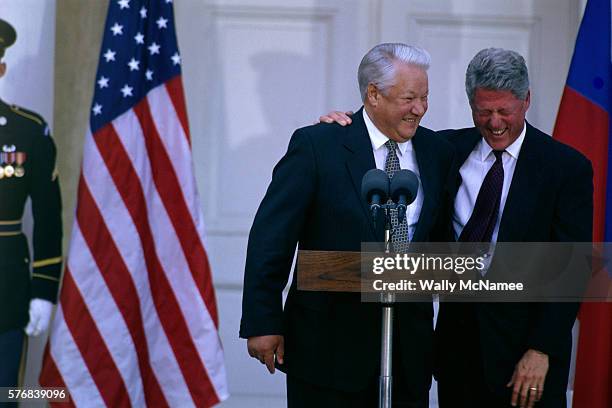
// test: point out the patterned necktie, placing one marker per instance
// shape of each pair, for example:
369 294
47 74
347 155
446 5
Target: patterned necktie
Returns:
400 233
481 224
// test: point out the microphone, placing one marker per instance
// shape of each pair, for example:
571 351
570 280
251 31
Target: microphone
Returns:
375 190
404 189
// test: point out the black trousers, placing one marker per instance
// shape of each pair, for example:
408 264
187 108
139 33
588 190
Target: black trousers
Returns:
467 387
11 347
302 394
305 394
472 394
11 353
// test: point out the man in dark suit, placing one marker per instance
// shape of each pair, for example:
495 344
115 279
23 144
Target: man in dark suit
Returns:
502 354
27 170
328 344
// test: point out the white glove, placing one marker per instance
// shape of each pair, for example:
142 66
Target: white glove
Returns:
40 316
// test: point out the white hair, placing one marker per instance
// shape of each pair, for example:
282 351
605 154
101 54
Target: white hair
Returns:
378 66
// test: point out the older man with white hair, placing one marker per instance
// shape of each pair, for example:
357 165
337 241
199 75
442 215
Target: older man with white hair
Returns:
328 343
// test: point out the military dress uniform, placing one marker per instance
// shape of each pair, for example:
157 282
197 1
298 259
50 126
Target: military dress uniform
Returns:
27 169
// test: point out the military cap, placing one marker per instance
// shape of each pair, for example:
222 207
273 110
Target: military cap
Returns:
8 35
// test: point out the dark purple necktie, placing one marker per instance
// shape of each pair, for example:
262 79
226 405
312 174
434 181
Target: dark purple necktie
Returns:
481 224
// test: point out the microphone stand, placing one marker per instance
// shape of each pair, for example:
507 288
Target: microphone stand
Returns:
375 187
386 349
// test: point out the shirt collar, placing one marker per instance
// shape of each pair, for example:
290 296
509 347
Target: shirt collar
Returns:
513 150
378 139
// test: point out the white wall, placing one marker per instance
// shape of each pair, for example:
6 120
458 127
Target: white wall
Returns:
29 79
254 70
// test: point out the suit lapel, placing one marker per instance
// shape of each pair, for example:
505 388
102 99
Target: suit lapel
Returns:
360 159
523 193
464 145
424 155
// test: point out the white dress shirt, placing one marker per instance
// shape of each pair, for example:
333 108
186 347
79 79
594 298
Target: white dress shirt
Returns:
407 160
473 172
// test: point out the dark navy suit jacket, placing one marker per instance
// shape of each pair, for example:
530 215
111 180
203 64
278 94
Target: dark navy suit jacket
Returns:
550 200
314 201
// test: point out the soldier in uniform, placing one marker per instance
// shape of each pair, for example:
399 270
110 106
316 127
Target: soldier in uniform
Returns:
27 169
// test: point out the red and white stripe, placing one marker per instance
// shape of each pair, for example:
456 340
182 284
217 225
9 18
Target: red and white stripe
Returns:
137 322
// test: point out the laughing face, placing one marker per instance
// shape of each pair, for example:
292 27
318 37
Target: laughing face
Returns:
398 111
499 116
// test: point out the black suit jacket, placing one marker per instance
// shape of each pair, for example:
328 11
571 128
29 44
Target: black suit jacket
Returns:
314 201
550 200
26 134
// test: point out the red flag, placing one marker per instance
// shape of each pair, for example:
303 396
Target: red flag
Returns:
137 320
583 122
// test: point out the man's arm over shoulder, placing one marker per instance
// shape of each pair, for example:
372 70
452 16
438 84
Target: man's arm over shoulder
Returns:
454 136
274 235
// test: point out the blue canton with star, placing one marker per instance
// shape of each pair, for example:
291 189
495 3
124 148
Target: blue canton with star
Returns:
139 52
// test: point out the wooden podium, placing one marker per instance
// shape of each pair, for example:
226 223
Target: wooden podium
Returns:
339 271
329 271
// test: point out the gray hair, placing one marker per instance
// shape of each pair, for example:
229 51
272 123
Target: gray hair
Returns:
499 70
378 65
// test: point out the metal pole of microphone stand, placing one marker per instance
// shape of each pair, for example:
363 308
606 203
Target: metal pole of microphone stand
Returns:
386 346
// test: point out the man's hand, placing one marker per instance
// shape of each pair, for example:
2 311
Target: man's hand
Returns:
40 316
264 348
528 378
342 118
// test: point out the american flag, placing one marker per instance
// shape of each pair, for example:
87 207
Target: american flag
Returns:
137 321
